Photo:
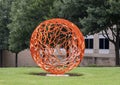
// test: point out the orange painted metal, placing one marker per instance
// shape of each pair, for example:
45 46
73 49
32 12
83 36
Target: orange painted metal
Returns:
57 46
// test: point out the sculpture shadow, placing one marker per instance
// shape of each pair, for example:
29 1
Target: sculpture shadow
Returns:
44 74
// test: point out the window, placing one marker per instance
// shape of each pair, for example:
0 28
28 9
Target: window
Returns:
103 43
89 43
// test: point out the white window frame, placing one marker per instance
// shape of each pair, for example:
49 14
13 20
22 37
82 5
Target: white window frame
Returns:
87 50
103 51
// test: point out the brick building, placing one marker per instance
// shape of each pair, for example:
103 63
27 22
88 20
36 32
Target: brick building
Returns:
99 51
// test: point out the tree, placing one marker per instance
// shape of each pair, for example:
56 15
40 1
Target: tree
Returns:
69 9
93 16
4 20
105 17
25 16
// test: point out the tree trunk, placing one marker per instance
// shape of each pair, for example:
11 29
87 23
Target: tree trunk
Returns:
16 59
117 46
1 59
117 56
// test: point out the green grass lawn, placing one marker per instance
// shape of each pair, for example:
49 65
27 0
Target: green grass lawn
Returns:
89 76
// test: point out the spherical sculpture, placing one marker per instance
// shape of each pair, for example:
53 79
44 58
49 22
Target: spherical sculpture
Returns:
57 46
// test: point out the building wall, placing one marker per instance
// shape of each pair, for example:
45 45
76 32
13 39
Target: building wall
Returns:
24 59
98 61
95 56
8 59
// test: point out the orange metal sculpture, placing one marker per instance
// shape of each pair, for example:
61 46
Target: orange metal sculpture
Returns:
57 45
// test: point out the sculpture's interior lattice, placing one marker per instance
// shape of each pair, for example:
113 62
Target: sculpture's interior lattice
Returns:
57 46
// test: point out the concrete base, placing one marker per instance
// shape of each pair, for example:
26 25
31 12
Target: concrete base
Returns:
57 75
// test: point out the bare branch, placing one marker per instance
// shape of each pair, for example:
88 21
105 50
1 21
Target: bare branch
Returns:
113 32
113 35
104 32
